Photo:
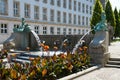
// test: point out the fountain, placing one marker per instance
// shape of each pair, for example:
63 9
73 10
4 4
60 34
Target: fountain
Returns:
98 48
25 37
22 38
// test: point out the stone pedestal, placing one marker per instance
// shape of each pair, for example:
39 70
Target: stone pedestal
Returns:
98 48
22 40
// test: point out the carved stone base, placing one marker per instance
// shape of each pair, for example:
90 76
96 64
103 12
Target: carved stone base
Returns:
22 40
98 48
98 58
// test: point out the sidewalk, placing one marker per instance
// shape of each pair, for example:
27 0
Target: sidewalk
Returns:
105 73
114 50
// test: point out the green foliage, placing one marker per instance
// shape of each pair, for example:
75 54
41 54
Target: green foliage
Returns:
96 16
117 29
47 68
110 14
119 12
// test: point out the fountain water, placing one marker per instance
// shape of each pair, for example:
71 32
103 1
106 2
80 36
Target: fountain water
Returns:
80 42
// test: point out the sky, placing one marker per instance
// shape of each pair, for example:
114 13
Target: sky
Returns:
115 3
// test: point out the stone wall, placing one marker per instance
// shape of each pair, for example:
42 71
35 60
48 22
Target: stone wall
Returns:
50 39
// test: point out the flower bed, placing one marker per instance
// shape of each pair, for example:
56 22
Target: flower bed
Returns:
50 68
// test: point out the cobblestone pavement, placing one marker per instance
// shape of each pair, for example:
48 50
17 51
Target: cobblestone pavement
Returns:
105 73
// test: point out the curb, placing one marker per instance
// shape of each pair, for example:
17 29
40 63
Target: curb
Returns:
72 76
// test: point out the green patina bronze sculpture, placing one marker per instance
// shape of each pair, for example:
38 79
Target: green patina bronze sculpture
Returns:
101 26
23 28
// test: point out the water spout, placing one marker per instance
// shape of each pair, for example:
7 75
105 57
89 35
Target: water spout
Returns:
80 42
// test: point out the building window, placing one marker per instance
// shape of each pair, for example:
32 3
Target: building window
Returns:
87 9
16 8
58 31
86 31
83 32
27 11
51 30
69 31
64 31
70 18
44 30
58 16
79 6
75 5
83 8
59 3
3 28
36 12
79 31
52 2
79 20
83 20
16 25
3 7
74 19
87 21
36 28
64 3
70 4
45 14
64 17
74 31
51 15
90 10
44 1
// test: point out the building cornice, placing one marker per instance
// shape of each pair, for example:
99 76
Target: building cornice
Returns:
39 22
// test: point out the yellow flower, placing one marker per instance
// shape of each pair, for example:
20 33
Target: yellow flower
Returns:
31 59
70 67
38 69
63 56
44 62
14 55
37 59
44 72
1 60
69 56
23 77
81 57
80 49
32 73
13 74
34 62
84 48
54 57
55 48
17 64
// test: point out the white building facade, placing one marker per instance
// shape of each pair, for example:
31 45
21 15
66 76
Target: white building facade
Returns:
46 17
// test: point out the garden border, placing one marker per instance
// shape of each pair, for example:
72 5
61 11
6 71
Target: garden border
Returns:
72 76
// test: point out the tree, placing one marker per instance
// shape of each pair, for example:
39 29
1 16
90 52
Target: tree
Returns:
117 20
110 14
119 13
96 16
